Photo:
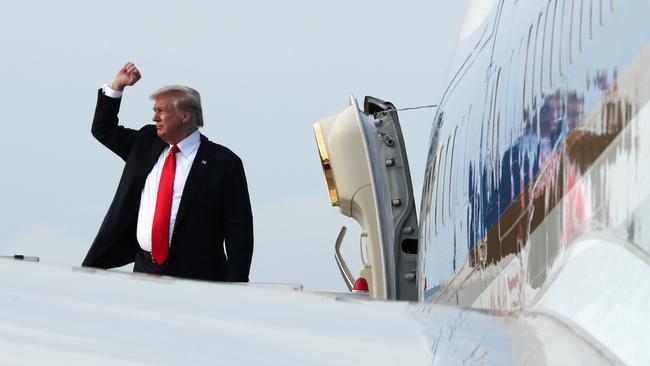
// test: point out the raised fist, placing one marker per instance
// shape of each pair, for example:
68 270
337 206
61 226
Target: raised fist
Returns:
126 76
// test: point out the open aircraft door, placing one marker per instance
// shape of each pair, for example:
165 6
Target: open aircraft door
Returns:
367 173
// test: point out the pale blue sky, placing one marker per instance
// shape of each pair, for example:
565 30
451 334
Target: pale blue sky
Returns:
266 71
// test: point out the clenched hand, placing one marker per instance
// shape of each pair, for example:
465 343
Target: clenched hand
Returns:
126 76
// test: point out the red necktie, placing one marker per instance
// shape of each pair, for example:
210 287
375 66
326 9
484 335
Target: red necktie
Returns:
160 228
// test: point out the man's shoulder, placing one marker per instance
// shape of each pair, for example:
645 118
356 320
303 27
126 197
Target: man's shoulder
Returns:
218 151
147 132
148 129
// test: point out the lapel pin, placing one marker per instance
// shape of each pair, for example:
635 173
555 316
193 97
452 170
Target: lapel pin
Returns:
204 162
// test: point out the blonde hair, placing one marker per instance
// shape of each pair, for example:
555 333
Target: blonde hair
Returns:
185 99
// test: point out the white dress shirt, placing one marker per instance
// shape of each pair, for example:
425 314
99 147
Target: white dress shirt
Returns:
184 159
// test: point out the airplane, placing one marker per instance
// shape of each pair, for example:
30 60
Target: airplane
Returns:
529 248
534 197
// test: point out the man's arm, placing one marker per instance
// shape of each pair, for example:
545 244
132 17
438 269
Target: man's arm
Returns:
105 126
238 226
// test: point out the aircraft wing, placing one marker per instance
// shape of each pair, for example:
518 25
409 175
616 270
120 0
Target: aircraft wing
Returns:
58 315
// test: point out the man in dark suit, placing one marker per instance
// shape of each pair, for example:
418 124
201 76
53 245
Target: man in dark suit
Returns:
182 206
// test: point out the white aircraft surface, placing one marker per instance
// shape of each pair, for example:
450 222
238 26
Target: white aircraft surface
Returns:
531 247
97 317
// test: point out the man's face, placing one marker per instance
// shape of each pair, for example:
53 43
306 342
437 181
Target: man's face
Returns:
169 120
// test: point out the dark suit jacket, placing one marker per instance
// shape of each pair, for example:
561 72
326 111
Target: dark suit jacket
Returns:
214 208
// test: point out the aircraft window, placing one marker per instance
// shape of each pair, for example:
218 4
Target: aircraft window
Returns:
509 85
535 66
465 159
430 184
550 56
507 95
571 32
591 19
434 186
437 186
445 183
452 176
602 12
561 42
526 78
495 117
580 25
432 192
440 185
544 49
517 84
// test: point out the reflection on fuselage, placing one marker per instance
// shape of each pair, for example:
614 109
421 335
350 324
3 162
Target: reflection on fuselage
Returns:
536 142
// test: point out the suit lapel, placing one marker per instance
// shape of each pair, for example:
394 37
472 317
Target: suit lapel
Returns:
149 160
199 166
